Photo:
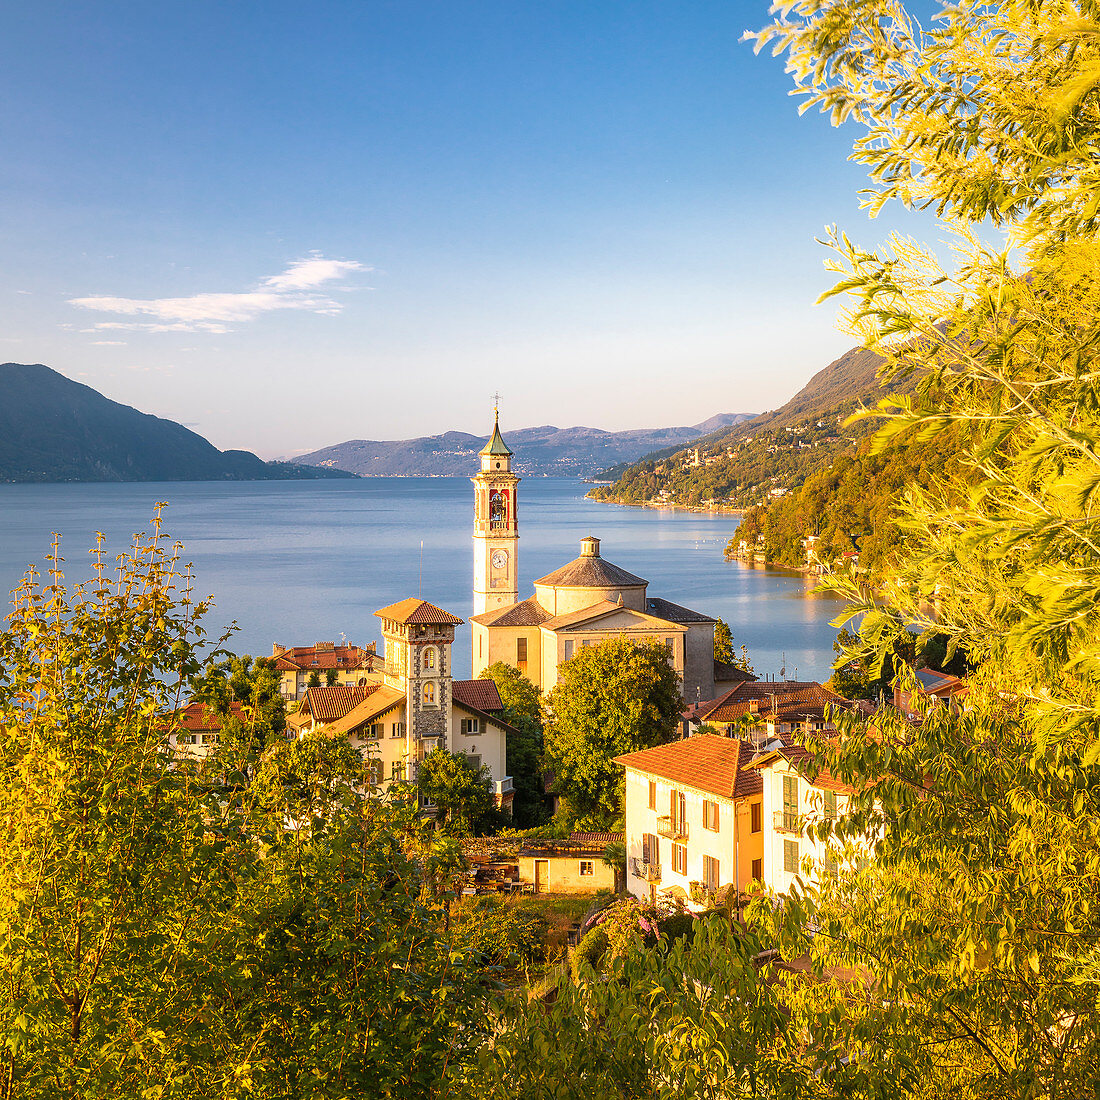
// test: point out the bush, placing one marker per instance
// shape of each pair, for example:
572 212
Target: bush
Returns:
590 950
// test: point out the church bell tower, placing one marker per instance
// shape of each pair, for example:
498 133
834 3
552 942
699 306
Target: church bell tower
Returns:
496 527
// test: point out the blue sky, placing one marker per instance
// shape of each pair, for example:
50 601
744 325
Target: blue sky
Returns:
287 225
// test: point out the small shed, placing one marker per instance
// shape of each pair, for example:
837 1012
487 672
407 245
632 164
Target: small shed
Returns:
572 866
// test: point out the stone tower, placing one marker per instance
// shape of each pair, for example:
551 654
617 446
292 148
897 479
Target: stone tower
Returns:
496 527
418 637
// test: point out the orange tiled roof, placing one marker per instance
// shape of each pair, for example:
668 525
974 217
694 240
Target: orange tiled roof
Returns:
374 706
323 656
790 700
708 763
527 612
674 613
412 610
326 704
799 758
480 694
196 717
727 673
591 571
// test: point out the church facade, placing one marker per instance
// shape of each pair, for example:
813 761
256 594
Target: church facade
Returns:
581 604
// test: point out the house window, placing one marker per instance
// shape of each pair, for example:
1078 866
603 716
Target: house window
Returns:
790 802
710 872
652 795
587 868
568 648
521 651
479 641
397 771
790 857
830 805
754 818
710 816
469 725
429 658
376 772
830 864
397 729
651 853
474 762
758 870
680 859
376 730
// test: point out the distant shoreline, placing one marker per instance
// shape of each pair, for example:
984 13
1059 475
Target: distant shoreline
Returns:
660 506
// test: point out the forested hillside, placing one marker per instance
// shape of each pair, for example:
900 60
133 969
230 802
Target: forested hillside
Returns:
765 457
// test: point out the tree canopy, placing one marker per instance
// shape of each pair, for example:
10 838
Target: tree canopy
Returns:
612 698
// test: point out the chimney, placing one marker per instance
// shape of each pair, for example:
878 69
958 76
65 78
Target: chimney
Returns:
590 547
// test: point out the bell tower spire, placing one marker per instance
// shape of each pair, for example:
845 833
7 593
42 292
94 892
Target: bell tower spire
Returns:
496 524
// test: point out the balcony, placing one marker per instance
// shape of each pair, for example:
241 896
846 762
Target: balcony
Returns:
672 829
784 822
504 786
646 871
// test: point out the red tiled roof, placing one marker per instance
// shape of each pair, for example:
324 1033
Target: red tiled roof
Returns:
327 704
412 610
527 612
711 764
196 717
598 838
323 656
480 694
799 758
790 699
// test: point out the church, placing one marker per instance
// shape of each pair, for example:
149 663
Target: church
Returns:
580 604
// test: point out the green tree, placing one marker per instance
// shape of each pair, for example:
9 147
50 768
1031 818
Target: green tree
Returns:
723 642
314 680
252 682
330 677
612 698
522 711
158 938
462 794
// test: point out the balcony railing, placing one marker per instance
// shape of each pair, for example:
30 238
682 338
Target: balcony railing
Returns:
785 822
505 786
671 828
646 871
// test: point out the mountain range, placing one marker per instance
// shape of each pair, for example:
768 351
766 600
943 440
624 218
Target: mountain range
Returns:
540 451
55 429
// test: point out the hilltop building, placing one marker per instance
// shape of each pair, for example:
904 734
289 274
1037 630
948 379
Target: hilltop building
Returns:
582 603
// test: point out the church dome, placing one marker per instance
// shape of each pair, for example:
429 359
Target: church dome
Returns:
588 580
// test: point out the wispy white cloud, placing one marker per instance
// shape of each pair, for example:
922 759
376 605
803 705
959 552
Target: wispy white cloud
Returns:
295 288
108 343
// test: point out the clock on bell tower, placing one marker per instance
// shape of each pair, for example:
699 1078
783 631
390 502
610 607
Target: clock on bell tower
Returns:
496 527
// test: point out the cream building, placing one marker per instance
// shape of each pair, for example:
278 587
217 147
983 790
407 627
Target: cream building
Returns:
580 604
792 804
694 819
412 705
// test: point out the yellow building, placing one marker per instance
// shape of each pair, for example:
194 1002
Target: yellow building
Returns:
580 604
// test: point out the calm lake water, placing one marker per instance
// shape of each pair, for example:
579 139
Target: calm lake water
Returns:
302 561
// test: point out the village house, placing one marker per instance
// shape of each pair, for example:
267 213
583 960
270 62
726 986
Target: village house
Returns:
410 704
694 819
195 729
761 710
571 866
347 664
711 812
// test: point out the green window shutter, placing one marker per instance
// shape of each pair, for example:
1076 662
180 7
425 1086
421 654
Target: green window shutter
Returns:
790 794
830 805
790 856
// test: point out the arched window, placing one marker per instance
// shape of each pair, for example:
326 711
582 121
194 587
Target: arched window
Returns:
429 695
429 657
498 509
